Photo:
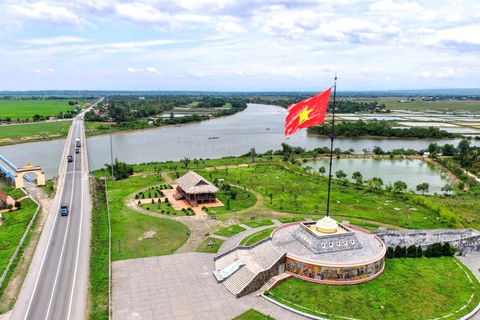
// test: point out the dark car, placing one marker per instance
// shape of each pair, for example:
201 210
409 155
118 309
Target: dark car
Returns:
69 158
64 210
77 150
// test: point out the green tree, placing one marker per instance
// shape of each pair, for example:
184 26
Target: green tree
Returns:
412 251
447 189
186 162
377 150
322 170
399 186
419 251
448 150
423 187
121 170
400 252
463 149
357 176
340 174
390 253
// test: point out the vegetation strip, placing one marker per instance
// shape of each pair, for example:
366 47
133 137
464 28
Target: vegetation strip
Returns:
20 244
99 258
257 236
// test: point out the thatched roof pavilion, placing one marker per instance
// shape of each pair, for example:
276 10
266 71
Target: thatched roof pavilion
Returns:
195 189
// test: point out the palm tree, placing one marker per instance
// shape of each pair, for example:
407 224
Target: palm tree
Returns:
196 163
186 161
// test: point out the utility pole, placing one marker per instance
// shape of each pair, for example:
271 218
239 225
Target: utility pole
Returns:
111 150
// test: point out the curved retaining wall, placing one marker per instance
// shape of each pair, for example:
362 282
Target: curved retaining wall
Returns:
338 273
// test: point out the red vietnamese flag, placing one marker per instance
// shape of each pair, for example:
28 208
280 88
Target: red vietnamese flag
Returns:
307 113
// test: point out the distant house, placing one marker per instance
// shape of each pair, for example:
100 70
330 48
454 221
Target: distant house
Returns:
195 189
3 199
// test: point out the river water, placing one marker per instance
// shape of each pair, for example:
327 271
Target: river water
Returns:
258 126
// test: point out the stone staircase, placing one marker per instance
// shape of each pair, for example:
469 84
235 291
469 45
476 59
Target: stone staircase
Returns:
265 254
237 281
273 282
257 259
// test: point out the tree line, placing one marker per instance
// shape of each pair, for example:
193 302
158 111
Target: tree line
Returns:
379 129
124 109
434 250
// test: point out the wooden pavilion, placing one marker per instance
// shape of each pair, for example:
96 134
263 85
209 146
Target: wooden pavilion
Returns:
195 189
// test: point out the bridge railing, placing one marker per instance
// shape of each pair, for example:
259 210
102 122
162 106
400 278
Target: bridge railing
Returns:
7 172
11 165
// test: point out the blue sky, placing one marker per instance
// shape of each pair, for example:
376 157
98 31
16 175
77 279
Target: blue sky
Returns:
245 45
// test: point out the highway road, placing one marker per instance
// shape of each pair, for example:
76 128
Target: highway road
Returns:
57 281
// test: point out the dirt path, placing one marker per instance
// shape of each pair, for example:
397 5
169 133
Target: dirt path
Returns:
10 294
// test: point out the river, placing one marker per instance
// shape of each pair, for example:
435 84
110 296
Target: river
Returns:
258 126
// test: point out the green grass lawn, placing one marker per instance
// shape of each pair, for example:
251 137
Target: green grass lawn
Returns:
129 227
230 231
13 192
257 223
294 191
253 315
37 130
12 229
243 200
408 289
213 248
292 219
257 236
27 108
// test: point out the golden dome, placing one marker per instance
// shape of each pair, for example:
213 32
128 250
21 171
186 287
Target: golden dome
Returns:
326 225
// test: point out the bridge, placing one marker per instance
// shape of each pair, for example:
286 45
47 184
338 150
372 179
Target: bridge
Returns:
18 174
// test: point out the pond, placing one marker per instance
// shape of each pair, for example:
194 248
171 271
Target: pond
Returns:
410 171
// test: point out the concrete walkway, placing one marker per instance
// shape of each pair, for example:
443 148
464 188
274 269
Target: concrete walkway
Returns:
233 241
179 286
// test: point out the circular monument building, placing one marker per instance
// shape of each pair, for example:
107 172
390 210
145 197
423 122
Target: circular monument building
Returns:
330 252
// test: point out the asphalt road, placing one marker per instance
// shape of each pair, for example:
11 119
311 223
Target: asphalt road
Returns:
56 284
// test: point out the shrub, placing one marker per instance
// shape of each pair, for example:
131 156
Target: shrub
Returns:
419 251
400 252
412 251
390 253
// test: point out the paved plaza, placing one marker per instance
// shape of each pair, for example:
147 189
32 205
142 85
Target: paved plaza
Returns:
179 286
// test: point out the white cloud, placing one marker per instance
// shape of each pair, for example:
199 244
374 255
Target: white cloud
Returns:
357 31
134 70
442 73
396 7
465 38
54 41
41 13
229 27
44 71
143 14
152 70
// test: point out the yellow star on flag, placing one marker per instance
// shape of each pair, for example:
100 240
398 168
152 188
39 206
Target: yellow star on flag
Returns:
302 117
